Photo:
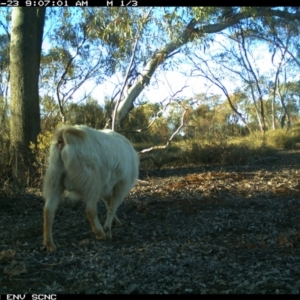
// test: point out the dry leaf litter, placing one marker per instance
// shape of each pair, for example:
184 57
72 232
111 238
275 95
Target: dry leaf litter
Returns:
185 230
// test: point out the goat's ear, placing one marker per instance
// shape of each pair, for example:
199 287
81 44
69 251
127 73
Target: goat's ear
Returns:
74 132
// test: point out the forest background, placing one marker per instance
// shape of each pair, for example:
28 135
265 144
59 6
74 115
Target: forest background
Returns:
187 85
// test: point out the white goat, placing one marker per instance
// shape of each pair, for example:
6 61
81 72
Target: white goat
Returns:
91 165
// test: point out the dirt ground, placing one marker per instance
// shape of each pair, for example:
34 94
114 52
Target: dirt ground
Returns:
213 229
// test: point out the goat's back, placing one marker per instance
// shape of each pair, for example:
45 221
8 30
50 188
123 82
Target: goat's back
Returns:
95 157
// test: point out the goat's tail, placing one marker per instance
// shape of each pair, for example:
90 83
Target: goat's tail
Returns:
53 181
53 186
54 173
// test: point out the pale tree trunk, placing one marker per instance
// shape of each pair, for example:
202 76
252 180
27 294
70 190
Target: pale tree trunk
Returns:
25 51
286 114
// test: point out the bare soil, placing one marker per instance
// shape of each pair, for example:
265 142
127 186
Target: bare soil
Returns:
213 229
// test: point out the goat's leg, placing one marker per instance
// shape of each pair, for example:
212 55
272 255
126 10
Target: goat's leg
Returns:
112 206
91 213
49 213
107 201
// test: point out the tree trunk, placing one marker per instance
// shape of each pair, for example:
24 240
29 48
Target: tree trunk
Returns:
25 51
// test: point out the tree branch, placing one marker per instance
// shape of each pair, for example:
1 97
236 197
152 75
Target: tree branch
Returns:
190 32
172 136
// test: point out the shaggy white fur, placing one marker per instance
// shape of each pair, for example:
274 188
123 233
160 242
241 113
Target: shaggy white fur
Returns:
91 165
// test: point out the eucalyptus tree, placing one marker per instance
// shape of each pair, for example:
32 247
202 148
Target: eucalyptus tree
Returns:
194 24
283 42
236 59
87 46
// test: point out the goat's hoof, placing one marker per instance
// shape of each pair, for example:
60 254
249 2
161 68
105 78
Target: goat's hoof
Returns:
50 247
108 232
100 236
